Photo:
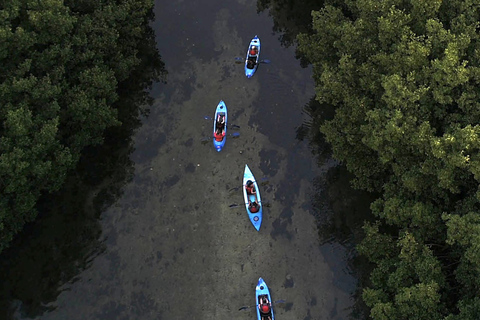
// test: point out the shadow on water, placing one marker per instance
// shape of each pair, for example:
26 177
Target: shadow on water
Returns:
290 17
340 210
50 253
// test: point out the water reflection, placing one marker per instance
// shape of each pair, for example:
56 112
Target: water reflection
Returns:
290 17
46 257
50 252
315 115
339 210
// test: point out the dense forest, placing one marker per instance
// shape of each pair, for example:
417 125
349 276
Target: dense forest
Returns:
63 64
404 80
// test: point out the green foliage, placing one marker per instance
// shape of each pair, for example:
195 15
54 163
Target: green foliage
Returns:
464 231
375 239
403 77
407 279
469 309
61 63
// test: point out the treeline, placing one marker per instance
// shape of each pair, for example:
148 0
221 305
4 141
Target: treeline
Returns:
62 63
404 78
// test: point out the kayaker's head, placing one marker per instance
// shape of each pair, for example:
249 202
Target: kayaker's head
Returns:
254 47
249 183
254 207
265 308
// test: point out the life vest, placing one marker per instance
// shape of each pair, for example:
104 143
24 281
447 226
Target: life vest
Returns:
218 137
265 309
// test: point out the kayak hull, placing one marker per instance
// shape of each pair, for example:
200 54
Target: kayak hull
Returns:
221 109
260 290
249 71
255 218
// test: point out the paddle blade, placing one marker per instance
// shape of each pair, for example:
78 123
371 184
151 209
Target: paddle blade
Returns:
234 189
236 134
234 126
233 205
279 301
205 140
264 181
207 118
264 61
244 308
238 60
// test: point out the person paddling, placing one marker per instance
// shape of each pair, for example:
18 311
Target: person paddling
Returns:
220 128
265 308
253 206
250 187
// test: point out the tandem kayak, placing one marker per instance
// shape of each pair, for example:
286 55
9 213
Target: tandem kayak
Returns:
251 61
261 293
220 112
255 218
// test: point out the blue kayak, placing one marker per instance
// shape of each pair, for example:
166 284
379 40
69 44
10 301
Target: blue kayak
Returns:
262 292
220 112
251 61
255 218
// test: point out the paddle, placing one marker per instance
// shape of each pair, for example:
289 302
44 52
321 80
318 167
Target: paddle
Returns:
264 204
240 60
235 189
263 182
207 139
230 126
248 307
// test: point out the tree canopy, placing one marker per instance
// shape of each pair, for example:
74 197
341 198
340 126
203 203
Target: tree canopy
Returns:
403 77
61 63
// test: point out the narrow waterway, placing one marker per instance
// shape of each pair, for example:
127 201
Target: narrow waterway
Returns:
167 244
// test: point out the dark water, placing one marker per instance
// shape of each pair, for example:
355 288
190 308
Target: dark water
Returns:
146 227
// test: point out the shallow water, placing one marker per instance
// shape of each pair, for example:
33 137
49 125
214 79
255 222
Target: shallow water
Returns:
170 245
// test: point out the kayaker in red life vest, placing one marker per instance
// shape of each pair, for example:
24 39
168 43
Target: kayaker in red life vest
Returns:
220 132
264 307
220 122
253 206
253 51
250 187
219 135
